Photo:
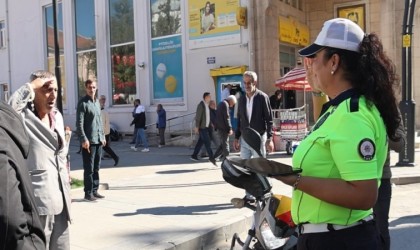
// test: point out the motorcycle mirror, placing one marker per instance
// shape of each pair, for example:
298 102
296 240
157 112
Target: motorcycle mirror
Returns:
253 139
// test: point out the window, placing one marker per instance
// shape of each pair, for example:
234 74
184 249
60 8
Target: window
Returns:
49 31
85 43
123 58
2 35
166 39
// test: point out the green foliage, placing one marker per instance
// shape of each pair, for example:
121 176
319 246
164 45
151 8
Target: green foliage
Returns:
76 183
166 23
122 21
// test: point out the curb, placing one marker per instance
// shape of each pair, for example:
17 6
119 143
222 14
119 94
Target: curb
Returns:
211 238
405 180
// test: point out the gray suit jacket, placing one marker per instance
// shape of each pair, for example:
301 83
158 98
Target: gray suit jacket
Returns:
47 160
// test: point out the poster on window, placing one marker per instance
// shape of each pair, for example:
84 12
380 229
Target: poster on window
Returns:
165 17
356 13
167 69
212 23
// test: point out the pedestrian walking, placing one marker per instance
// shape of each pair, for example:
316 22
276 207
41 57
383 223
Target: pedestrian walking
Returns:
91 135
47 159
202 127
342 158
139 122
136 104
107 130
161 124
253 111
223 126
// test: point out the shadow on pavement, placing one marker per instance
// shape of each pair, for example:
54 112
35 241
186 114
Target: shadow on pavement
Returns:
404 233
183 185
180 210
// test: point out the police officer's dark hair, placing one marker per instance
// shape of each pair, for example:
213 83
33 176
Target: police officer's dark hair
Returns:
373 74
205 95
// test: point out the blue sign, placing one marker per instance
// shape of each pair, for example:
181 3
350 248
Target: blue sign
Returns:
167 64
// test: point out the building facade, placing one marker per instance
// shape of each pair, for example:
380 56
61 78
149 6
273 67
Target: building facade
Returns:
171 51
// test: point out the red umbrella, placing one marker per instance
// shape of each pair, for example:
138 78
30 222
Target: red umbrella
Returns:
295 79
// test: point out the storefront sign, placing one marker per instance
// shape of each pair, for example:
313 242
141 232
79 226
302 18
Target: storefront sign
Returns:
293 32
356 13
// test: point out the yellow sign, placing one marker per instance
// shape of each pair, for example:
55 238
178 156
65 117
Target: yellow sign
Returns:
241 16
293 31
356 13
406 41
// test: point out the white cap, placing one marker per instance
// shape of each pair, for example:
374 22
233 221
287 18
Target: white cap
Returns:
339 33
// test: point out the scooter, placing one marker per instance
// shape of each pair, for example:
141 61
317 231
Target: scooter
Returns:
272 226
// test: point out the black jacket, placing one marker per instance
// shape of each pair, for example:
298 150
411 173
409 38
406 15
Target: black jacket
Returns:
20 227
139 120
223 117
261 120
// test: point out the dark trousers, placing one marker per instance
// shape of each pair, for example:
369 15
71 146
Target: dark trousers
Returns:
162 136
203 139
107 148
362 237
381 212
91 165
223 148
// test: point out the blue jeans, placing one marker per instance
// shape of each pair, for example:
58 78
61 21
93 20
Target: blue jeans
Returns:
141 137
247 152
91 165
204 139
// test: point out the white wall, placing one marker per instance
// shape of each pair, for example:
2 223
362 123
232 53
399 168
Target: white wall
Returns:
4 61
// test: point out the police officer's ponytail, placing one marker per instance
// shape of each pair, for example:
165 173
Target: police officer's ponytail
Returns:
378 81
373 74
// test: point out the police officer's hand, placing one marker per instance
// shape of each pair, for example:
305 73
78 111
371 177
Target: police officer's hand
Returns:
236 144
269 145
86 145
231 132
196 130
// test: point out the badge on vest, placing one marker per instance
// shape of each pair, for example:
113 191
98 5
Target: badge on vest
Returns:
367 149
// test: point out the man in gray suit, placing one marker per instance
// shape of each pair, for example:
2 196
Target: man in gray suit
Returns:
47 158
202 127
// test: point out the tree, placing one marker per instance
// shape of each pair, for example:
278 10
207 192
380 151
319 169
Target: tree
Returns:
169 21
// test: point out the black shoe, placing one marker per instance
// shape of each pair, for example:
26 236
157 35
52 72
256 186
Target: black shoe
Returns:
213 161
117 159
89 198
97 195
194 158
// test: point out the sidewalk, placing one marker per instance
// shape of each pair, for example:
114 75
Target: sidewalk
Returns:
163 200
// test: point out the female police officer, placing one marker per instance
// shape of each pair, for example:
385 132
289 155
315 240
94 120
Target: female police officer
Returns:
342 158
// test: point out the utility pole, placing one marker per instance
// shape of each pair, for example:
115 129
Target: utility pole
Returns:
57 59
407 104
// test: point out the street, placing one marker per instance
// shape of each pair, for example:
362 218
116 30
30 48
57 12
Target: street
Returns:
405 217
171 202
